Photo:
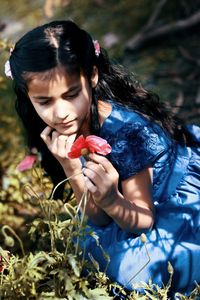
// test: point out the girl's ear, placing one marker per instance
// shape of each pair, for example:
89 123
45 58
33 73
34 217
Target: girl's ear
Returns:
95 77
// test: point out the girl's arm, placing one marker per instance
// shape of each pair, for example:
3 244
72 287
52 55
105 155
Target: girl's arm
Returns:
136 214
95 213
132 209
59 145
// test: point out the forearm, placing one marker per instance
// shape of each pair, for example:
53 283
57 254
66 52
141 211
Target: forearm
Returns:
130 216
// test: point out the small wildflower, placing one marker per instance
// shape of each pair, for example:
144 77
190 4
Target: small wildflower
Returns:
9 241
90 144
170 268
27 163
143 238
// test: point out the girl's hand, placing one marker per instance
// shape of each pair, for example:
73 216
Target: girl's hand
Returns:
60 145
101 179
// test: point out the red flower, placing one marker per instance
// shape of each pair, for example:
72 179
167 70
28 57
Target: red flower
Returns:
2 262
90 144
27 163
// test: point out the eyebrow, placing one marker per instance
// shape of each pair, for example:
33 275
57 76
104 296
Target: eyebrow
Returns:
41 97
71 89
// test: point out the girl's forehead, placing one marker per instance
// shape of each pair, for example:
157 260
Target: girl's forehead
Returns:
57 85
52 77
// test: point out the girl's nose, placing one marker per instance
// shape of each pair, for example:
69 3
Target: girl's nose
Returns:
60 109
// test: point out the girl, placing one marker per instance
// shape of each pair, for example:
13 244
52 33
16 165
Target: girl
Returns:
67 87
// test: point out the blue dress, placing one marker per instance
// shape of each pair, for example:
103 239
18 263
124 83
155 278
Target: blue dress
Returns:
137 142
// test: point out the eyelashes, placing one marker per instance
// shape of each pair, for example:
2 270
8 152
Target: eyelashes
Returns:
67 97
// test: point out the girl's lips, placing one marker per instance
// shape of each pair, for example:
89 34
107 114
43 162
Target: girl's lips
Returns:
65 124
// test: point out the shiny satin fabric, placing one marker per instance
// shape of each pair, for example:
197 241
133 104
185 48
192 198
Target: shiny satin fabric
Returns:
137 142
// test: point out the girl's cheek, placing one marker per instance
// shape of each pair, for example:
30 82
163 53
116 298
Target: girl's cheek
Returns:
45 114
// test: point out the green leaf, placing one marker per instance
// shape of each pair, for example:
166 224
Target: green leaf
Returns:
99 294
74 264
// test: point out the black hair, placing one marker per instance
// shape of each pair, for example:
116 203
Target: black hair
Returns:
63 43
59 43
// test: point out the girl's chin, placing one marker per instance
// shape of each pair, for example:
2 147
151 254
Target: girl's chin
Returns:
68 131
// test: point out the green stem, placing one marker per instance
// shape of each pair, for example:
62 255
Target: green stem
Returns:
66 179
149 259
49 213
84 200
15 235
144 266
31 192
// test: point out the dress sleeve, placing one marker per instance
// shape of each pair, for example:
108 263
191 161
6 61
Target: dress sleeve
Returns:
137 144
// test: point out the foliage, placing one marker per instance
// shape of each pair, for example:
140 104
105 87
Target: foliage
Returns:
43 260
54 268
47 262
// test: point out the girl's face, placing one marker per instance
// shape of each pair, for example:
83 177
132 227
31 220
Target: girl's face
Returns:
63 101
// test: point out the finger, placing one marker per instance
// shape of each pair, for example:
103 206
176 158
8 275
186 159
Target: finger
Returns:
61 144
94 176
45 135
71 138
54 136
54 140
90 185
96 167
103 161
69 142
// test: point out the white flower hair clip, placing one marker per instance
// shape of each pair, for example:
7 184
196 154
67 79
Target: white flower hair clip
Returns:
97 47
7 70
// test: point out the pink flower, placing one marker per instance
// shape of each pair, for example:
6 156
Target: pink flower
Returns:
97 48
90 144
27 163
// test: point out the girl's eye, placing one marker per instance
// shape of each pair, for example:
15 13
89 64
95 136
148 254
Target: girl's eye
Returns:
45 102
71 96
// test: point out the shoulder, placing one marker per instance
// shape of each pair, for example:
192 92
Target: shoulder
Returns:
104 110
115 117
136 141
124 125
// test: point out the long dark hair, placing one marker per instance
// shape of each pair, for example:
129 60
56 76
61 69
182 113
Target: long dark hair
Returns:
64 43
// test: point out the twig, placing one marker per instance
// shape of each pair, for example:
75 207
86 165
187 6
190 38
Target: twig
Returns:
197 100
189 56
155 14
159 32
178 102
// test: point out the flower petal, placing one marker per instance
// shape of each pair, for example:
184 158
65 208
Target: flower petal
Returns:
76 148
27 163
92 143
97 144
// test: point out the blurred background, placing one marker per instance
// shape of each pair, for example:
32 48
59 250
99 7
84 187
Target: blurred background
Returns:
157 40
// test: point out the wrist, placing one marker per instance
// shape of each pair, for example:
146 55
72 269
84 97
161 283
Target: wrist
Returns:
71 167
110 204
